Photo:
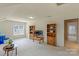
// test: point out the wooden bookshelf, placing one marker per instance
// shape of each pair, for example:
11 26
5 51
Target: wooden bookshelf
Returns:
51 34
31 30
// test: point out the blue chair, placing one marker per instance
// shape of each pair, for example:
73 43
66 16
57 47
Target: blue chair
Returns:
2 38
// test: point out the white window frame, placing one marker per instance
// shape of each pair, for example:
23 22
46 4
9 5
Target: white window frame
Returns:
18 30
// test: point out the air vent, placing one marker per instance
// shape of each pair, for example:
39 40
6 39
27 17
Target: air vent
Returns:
58 4
49 16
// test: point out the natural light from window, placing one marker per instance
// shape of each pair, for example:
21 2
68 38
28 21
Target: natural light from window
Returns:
18 29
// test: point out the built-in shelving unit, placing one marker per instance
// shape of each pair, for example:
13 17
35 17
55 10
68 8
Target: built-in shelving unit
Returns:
51 34
31 30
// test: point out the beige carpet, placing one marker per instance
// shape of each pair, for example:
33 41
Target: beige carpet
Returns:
26 47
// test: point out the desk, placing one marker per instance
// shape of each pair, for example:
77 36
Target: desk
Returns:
39 38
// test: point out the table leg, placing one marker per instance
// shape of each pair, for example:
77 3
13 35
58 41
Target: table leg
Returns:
7 53
16 51
4 53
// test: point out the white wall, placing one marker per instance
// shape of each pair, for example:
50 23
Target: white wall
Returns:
6 28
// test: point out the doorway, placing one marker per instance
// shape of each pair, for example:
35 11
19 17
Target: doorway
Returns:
71 33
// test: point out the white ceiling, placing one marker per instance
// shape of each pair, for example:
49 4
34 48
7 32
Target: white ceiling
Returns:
16 11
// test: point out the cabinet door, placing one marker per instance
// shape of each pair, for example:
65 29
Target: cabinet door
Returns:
51 40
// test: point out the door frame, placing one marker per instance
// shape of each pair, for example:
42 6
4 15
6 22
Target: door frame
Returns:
65 27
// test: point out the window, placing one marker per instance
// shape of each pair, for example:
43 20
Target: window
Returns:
18 29
72 32
72 29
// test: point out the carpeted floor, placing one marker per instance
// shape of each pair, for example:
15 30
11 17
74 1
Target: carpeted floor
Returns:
26 47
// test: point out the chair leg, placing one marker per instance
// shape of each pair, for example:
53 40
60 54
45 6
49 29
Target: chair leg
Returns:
7 53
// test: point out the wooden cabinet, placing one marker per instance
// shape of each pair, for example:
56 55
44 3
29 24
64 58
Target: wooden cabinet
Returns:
31 30
51 34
